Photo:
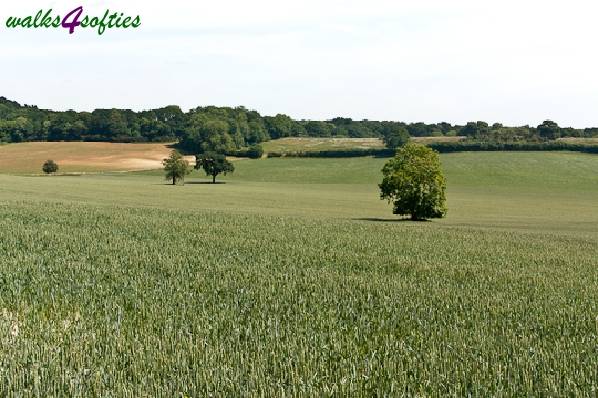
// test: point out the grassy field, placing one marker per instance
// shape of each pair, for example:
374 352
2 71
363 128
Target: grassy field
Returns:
306 144
293 278
28 158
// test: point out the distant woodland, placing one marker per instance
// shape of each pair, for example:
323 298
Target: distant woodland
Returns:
224 129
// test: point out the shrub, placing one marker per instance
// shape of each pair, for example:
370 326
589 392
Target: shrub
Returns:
253 152
343 153
50 167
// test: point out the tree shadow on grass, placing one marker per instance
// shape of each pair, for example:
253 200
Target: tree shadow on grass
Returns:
375 219
56 175
205 183
190 183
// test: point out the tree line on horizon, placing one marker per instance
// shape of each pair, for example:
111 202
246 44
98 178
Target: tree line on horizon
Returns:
226 129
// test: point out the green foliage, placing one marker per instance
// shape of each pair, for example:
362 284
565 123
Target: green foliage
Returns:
50 167
414 183
225 129
176 167
448 147
214 164
396 137
475 129
255 152
319 129
281 126
213 136
108 123
549 130
252 152
336 153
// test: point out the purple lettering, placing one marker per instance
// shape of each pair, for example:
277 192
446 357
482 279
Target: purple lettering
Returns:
75 22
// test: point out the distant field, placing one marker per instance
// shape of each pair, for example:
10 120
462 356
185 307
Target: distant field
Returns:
294 144
577 140
294 279
86 157
299 144
429 140
81 156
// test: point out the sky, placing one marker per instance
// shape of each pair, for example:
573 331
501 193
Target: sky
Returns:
514 62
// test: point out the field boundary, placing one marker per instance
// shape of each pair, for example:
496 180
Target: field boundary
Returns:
442 147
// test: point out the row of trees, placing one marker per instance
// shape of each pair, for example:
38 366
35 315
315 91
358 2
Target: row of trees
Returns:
176 167
224 129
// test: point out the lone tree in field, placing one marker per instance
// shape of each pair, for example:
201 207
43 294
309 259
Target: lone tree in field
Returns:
176 167
50 167
214 164
413 182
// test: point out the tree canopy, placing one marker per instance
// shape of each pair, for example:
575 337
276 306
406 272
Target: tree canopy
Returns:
414 183
226 129
214 164
176 167
396 137
549 130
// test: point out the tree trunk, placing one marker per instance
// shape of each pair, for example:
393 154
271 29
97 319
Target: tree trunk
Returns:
213 178
173 180
414 217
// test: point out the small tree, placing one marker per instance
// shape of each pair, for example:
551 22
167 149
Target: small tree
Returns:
396 137
176 167
50 167
213 164
413 182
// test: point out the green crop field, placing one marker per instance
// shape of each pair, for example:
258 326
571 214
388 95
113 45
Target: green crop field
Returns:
294 279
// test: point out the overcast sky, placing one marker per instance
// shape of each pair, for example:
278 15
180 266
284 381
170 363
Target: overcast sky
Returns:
516 62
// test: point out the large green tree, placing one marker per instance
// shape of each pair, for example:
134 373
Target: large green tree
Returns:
413 182
214 164
176 167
